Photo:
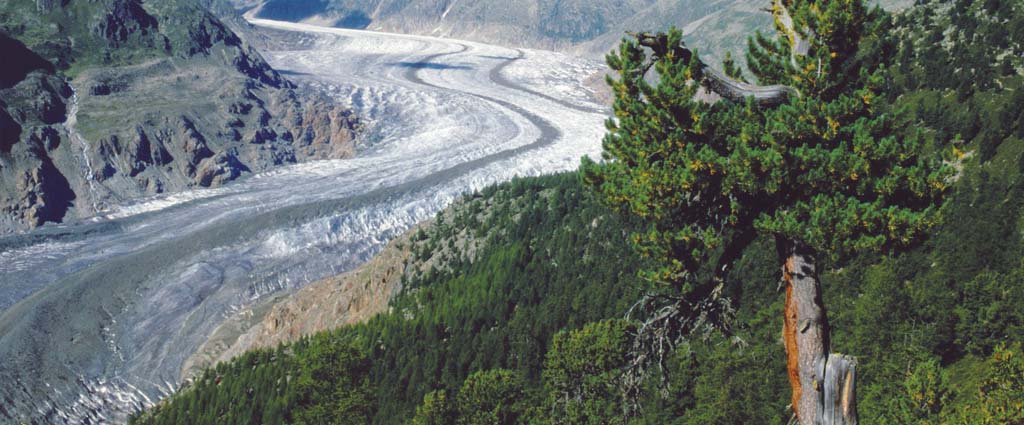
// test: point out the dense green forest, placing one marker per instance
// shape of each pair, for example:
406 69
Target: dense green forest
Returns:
533 326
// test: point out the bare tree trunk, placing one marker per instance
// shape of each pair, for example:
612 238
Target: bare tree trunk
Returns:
822 383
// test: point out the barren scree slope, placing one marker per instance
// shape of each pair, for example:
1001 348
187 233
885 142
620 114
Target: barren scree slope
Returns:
97 318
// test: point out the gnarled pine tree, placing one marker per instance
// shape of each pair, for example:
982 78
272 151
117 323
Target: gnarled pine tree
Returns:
807 157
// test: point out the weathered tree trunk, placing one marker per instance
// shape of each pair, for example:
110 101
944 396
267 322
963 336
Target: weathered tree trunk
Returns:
822 383
840 403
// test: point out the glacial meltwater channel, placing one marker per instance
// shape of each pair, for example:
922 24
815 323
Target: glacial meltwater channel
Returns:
97 317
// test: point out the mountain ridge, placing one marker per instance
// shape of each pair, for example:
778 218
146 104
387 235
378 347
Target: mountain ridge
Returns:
586 27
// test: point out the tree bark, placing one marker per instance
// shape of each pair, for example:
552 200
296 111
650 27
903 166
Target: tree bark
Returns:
822 383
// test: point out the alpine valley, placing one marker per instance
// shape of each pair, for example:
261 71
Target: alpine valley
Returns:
511 212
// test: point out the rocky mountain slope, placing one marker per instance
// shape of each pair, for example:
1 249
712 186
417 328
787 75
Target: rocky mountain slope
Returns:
583 26
587 27
117 99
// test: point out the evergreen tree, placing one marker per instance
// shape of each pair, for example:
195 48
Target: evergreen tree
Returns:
1001 397
334 384
492 397
436 409
583 371
825 172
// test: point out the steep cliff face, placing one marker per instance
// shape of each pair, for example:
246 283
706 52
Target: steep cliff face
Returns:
33 103
117 99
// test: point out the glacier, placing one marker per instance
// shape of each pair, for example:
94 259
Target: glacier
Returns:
97 317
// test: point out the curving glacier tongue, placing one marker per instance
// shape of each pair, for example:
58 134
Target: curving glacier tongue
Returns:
97 318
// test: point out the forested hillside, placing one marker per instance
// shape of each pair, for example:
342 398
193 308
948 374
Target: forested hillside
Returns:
545 267
535 326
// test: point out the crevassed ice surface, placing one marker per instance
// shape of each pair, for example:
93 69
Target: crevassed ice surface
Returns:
97 318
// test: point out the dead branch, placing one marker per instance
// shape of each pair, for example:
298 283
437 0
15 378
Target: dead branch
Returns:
713 79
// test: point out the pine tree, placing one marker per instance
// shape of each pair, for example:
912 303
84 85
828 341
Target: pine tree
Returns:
582 371
814 162
436 409
492 397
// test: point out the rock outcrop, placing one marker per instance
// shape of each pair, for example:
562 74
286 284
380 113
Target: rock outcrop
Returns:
33 101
